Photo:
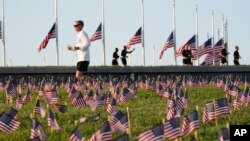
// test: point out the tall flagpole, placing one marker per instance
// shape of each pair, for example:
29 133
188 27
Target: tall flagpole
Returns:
3 35
103 34
197 33
174 33
213 36
226 37
154 56
143 45
57 50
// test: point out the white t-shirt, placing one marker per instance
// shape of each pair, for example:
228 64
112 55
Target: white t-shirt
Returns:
83 42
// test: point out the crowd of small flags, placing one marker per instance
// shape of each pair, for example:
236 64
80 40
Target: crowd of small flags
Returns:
108 93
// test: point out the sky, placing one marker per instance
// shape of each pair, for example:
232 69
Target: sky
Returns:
27 22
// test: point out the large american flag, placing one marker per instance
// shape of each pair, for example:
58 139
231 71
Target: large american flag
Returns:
76 135
172 128
169 43
190 123
190 44
205 48
136 39
1 36
50 35
98 34
154 134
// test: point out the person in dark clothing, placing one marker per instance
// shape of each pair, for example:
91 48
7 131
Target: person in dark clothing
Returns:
115 57
187 57
223 55
124 55
236 56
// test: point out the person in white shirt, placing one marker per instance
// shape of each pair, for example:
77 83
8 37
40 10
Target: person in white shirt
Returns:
82 49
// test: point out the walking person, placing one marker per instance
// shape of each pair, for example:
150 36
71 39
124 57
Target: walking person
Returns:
236 56
124 55
82 50
223 55
115 57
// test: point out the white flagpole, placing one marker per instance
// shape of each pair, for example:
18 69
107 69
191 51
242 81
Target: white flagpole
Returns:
174 33
142 31
154 56
213 36
226 37
3 35
197 33
57 48
103 34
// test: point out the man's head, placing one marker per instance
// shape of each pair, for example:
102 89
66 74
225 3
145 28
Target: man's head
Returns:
116 49
79 24
236 47
125 47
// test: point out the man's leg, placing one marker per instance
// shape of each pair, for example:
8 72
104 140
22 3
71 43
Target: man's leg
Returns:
79 75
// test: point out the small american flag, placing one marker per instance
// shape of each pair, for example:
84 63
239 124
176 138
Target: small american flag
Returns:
154 134
112 107
76 135
8 123
52 122
103 134
123 137
115 117
136 39
190 44
209 112
98 103
172 128
98 34
60 108
37 130
221 106
11 112
121 125
224 134
50 35
169 43
39 109
79 101
190 123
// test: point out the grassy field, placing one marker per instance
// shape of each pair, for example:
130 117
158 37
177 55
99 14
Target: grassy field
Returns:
146 110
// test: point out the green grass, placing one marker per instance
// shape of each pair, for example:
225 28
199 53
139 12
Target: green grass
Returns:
146 110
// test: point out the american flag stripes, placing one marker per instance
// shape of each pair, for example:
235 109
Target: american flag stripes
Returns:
190 44
60 108
209 112
78 101
154 134
221 107
98 34
39 109
8 123
205 48
52 122
112 107
136 39
37 130
172 128
169 43
115 117
103 134
98 103
50 35
76 135
190 123
121 125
